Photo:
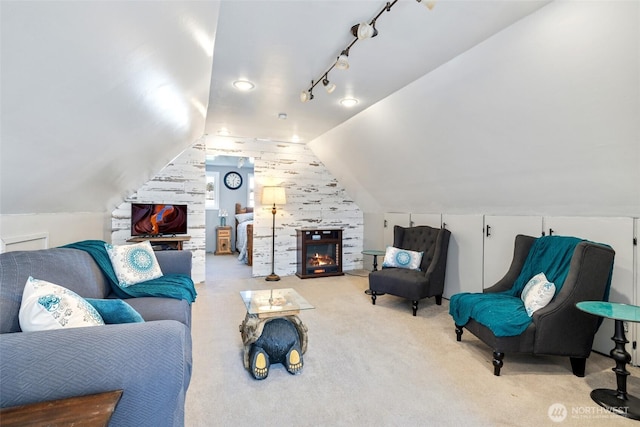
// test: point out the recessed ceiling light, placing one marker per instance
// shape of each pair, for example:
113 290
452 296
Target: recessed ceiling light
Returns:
243 85
282 116
348 102
295 138
224 132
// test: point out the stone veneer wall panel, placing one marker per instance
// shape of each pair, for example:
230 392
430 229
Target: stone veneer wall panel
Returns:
314 199
181 182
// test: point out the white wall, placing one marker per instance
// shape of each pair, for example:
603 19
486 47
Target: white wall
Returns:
542 118
182 181
314 199
60 229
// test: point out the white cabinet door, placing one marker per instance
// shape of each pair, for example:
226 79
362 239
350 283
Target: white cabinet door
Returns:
432 220
464 259
392 219
499 238
636 332
617 233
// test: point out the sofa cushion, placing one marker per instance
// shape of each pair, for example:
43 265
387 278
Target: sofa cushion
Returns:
115 311
73 268
158 308
47 306
134 263
399 281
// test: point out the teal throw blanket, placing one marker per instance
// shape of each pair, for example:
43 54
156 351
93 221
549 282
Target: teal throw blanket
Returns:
178 286
504 312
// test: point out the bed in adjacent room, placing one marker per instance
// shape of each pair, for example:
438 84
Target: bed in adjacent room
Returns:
244 233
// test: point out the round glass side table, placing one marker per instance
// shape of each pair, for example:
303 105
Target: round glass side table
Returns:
375 253
617 401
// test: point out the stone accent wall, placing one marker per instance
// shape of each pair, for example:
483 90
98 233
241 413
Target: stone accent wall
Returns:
181 182
314 199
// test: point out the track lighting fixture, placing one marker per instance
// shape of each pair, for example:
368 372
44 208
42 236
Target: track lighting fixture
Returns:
359 31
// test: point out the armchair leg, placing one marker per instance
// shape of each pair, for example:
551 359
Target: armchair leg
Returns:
459 333
414 305
438 299
373 297
497 362
578 365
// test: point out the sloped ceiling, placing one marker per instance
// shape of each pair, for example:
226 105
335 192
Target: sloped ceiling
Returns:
281 46
97 97
464 107
543 118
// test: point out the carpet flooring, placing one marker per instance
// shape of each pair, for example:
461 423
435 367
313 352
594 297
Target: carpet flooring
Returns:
376 365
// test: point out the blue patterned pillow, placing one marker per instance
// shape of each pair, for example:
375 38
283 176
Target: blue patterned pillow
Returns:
115 311
46 306
537 293
402 258
133 263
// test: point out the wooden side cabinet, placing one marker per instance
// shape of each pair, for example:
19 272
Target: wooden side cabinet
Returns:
223 240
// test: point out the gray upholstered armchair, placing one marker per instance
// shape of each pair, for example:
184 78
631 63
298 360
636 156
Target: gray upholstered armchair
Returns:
413 284
558 328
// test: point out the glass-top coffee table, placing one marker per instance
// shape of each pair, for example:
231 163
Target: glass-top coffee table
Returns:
272 332
274 302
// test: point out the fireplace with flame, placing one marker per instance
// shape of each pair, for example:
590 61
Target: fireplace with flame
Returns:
319 252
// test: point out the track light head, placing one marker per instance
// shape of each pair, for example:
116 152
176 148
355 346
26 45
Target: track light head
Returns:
306 95
342 63
328 86
428 4
364 31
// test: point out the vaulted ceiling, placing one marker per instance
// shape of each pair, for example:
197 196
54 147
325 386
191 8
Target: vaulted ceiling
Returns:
98 96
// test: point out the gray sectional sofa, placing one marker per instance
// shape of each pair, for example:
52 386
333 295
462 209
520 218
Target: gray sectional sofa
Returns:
150 361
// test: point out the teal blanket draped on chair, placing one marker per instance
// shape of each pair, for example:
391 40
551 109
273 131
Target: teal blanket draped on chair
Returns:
178 286
504 312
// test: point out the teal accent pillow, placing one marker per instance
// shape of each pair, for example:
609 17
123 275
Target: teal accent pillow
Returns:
115 311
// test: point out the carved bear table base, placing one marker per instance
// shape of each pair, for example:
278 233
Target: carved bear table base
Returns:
273 340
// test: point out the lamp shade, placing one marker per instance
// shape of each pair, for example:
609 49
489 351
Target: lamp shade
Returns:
273 196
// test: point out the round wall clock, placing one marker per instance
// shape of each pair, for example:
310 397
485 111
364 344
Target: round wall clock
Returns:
233 180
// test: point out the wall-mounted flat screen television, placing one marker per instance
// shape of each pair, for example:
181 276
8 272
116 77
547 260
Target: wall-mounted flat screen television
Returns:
154 219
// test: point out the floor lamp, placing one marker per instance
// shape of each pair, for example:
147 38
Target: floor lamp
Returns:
275 196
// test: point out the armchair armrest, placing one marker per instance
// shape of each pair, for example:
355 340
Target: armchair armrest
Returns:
588 276
150 361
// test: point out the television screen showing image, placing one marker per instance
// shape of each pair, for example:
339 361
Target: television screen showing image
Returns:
150 219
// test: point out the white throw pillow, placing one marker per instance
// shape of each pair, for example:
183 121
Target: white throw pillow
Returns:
244 217
537 293
46 306
402 258
133 263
